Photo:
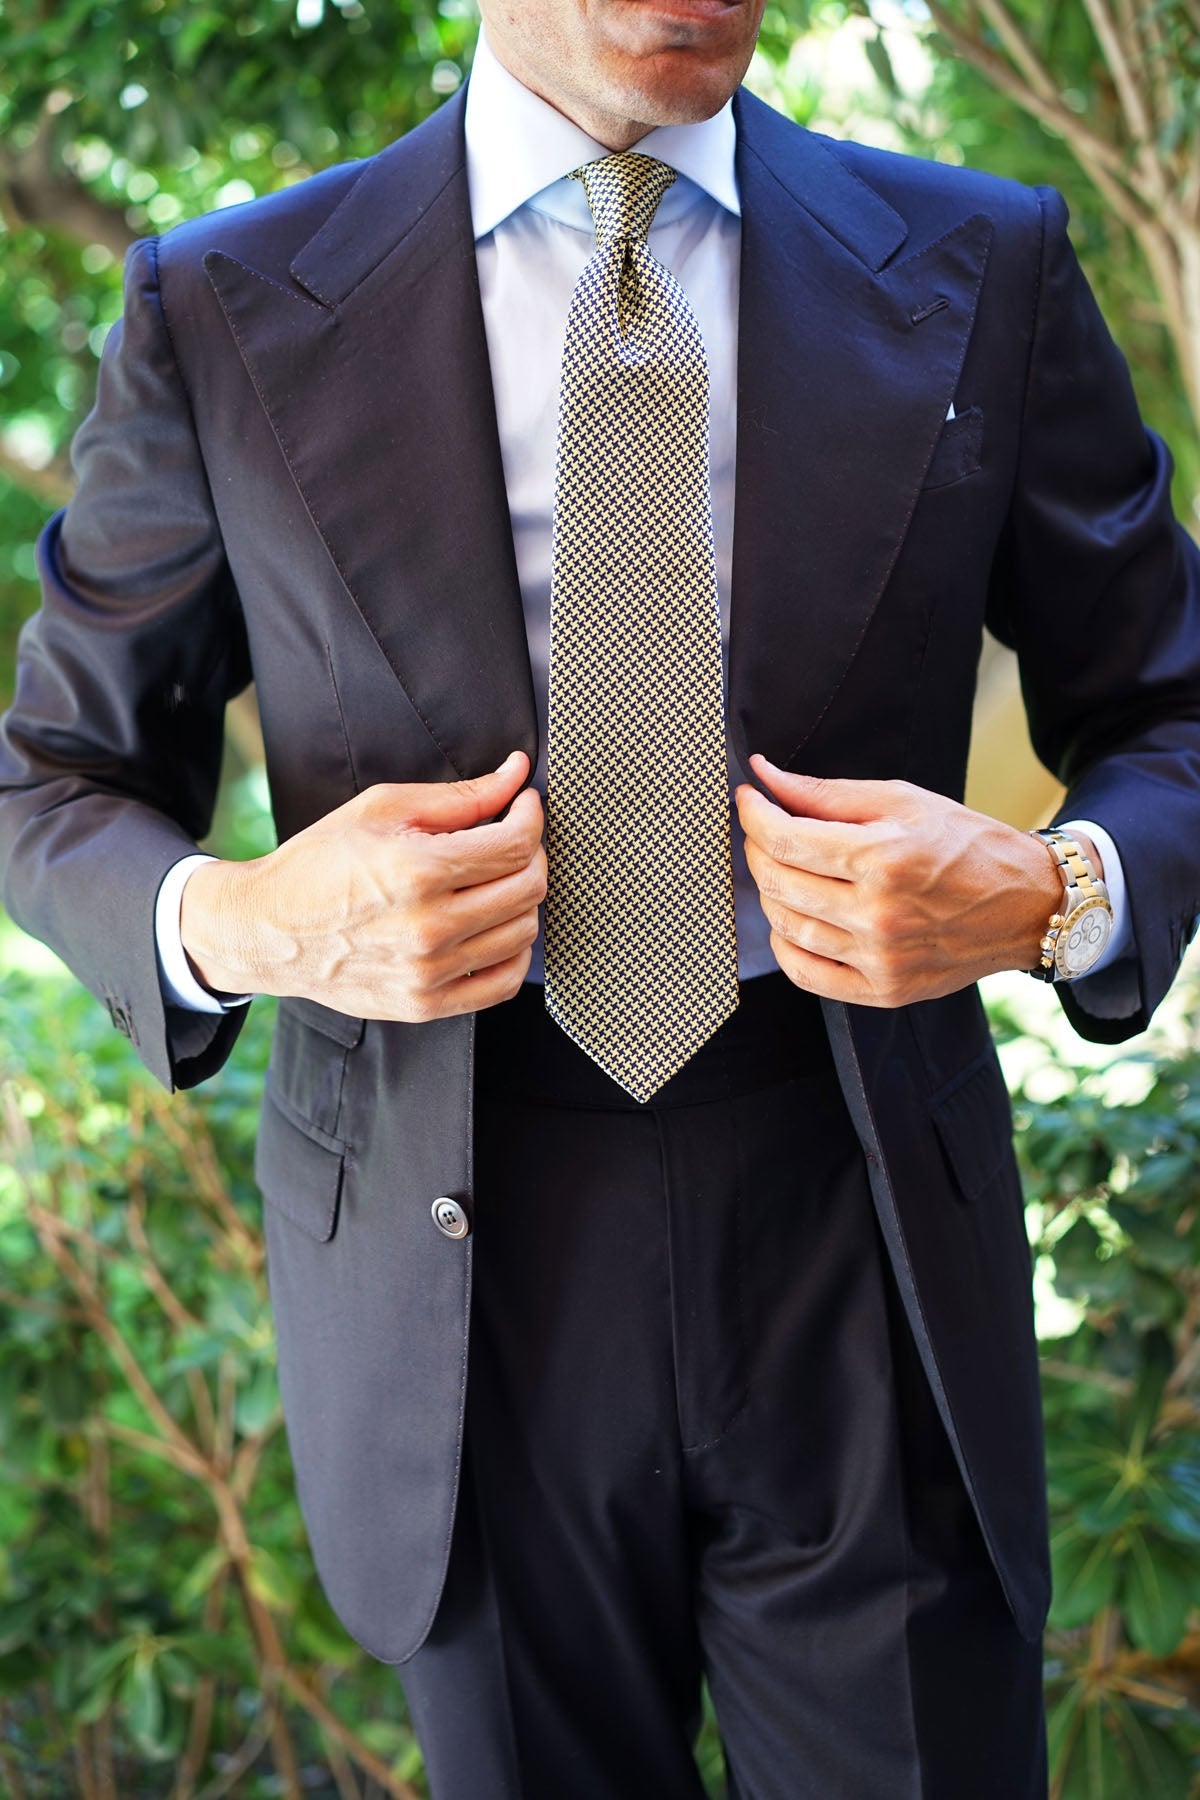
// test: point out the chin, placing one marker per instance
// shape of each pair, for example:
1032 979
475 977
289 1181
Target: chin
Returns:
672 91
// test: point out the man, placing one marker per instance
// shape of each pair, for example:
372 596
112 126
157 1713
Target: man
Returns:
752 1384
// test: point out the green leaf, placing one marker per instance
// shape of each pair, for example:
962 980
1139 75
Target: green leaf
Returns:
1064 1720
202 1575
1158 1361
1096 1769
385 1737
141 1698
1155 1594
1085 1578
258 1403
270 1582
1153 1240
1158 1766
19 1622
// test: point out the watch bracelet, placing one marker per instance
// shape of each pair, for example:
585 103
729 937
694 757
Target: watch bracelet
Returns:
1076 872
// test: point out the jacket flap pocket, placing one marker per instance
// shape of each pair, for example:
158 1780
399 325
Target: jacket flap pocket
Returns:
973 1118
341 1027
298 1168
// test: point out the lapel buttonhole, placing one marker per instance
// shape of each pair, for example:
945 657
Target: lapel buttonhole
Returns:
920 313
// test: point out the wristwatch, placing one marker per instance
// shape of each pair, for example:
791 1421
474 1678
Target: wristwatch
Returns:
1077 933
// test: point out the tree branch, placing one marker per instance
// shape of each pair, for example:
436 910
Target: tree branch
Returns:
36 190
1144 36
1129 93
1020 50
1091 149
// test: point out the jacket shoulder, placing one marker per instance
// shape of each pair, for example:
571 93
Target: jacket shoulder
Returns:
925 191
268 232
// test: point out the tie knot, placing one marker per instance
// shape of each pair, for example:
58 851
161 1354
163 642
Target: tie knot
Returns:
623 192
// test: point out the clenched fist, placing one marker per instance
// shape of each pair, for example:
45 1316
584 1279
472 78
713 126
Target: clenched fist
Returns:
882 893
401 904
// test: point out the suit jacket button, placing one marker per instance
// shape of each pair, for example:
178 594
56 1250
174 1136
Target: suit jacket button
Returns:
450 1218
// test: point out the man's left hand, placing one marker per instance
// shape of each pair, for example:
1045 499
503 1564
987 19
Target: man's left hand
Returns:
882 893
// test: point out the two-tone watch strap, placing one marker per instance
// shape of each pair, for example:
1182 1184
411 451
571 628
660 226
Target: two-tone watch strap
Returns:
1080 884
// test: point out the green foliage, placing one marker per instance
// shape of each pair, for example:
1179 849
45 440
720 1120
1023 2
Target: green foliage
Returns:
1113 1195
156 111
155 1567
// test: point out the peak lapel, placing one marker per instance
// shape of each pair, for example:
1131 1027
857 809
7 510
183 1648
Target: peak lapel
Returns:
374 373
844 382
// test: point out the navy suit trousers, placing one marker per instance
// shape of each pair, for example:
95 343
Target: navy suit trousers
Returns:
699 1442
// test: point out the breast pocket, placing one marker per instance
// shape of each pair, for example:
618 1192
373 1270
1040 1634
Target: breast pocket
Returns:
300 1155
959 450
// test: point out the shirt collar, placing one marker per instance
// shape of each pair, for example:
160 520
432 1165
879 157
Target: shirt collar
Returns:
520 149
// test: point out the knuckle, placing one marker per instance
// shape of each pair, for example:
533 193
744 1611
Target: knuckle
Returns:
416 881
884 922
786 925
792 966
767 907
424 937
780 945
535 884
374 798
769 880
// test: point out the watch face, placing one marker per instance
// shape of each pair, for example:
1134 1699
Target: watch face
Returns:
1082 939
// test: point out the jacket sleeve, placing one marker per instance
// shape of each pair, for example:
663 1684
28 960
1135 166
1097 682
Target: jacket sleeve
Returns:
1097 588
110 754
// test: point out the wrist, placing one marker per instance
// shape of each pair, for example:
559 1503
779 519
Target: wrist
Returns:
215 928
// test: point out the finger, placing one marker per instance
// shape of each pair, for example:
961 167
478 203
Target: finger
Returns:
474 955
487 987
814 935
821 846
824 897
446 805
818 975
818 797
453 918
463 859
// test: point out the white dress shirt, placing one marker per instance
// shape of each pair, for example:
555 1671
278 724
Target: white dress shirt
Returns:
533 235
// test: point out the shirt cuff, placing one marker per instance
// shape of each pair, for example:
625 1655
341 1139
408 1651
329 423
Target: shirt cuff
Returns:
179 985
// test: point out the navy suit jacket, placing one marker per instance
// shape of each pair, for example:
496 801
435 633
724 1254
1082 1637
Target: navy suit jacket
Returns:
293 473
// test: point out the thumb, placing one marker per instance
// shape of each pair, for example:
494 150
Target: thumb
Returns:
820 797
456 805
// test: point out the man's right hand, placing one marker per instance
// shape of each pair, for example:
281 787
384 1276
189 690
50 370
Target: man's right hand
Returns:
401 904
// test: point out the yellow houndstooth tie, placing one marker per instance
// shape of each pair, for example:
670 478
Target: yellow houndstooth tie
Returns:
641 953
